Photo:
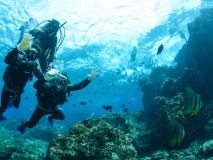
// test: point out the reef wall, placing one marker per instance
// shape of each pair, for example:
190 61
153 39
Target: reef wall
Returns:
194 69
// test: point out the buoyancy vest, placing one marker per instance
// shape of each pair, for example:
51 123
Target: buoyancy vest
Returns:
17 75
53 93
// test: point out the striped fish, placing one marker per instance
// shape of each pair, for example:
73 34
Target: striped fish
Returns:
175 133
190 102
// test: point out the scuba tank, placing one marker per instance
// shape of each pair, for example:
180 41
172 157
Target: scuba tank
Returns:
55 26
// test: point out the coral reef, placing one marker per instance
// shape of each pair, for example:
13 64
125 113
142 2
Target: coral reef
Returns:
96 139
167 108
42 131
207 148
133 124
92 139
129 122
209 129
14 146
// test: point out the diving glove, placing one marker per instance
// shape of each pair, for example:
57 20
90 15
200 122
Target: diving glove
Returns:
25 43
93 74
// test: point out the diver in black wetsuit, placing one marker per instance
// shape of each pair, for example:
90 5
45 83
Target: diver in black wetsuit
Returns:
51 92
46 39
133 55
133 62
25 28
20 69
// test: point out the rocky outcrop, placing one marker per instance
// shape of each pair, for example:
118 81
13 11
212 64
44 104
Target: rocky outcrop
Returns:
162 89
207 148
92 139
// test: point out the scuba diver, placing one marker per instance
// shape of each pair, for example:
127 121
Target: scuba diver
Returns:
46 38
132 63
51 92
26 27
22 65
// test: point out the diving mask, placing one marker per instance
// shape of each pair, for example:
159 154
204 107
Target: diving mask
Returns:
31 54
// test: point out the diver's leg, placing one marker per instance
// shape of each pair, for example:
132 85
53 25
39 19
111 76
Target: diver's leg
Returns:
5 97
36 116
16 100
57 114
43 63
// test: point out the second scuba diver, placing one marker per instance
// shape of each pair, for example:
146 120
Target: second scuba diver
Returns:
46 39
51 92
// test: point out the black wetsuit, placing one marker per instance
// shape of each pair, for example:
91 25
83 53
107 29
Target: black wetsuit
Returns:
49 98
47 43
16 76
132 61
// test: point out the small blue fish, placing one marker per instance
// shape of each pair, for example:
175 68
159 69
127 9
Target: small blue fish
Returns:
107 108
160 48
125 109
83 103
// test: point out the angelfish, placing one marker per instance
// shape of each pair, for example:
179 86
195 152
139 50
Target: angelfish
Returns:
175 133
190 102
160 48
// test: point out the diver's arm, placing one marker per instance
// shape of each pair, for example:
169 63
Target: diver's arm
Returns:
43 86
33 32
23 45
37 72
52 50
90 77
134 52
79 86
39 83
11 57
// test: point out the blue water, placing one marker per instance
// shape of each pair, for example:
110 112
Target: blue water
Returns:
102 33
